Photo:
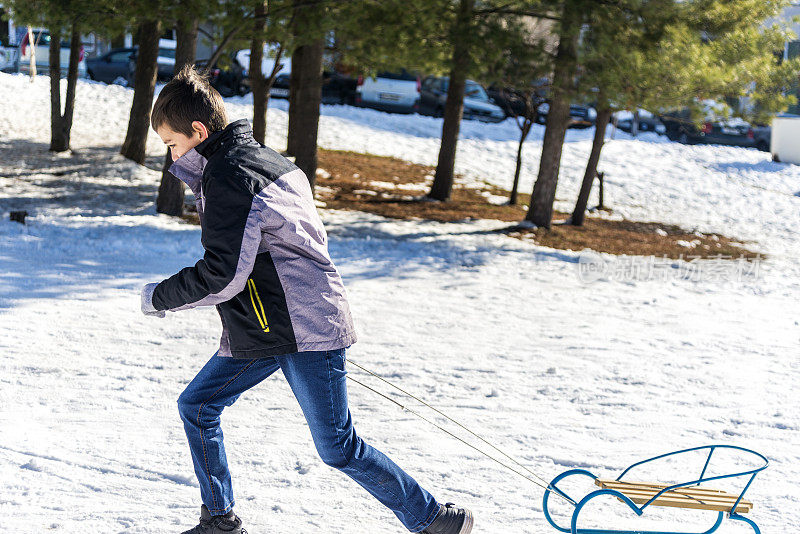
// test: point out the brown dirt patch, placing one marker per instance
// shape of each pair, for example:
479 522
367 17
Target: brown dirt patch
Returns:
632 238
381 185
395 188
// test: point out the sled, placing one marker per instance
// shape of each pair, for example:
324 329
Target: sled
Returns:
641 495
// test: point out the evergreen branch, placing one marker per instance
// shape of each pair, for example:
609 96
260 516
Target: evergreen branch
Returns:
517 12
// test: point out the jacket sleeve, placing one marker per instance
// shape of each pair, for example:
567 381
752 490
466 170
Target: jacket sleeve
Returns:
231 236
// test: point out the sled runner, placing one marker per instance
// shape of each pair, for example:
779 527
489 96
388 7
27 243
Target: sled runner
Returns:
640 495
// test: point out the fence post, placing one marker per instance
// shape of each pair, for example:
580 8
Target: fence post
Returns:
600 177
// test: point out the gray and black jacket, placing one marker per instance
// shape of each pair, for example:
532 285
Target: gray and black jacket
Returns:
266 265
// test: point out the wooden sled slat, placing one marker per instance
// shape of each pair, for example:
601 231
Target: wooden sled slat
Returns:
696 489
684 497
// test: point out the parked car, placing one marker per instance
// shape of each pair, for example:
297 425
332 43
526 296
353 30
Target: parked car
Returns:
647 122
512 102
580 116
763 138
715 131
280 87
337 88
477 104
397 92
41 42
110 66
165 60
227 79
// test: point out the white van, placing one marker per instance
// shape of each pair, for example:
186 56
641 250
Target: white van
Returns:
784 144
41 39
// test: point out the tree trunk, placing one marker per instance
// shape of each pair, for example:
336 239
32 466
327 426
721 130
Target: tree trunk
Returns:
291 133
186 43
57 141
72 81
540 211
61 124
524 131
306 83
145 82
257 81
171 190
454 106
603 118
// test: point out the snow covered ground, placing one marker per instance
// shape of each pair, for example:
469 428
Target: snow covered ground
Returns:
505 336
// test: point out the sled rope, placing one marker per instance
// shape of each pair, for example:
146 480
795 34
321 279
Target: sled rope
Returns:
530 476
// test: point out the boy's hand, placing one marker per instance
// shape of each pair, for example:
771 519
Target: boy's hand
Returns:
147 302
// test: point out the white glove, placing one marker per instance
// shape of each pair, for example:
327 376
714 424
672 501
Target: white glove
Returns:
147 302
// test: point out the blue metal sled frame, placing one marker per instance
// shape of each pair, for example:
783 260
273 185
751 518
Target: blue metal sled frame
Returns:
639 510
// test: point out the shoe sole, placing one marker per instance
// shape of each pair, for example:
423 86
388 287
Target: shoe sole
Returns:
466 528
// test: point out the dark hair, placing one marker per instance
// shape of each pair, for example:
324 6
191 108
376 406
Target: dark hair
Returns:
188 97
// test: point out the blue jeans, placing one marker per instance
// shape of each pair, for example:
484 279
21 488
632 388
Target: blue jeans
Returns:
318 382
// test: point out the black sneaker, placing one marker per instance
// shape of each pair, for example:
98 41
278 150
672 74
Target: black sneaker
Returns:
451 520
217 524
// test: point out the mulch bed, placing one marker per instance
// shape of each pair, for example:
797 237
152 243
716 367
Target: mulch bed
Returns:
395 188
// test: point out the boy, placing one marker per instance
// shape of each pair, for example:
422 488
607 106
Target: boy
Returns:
282 303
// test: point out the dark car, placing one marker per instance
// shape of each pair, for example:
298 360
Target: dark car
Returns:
512 102
763 138
681 128
110 66
337 88
647 123
228 79
165 61
477 103
280 87
580 116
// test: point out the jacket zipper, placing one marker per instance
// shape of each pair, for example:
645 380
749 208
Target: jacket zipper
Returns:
262 317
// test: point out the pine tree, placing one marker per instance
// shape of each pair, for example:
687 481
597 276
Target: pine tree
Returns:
270 29
611 53
520 74
458 38
65 18
574 14
681 53
148 33
310 24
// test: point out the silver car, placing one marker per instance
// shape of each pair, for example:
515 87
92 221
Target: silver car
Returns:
397 92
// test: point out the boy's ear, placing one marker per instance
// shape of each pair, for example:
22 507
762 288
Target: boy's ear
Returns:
200 129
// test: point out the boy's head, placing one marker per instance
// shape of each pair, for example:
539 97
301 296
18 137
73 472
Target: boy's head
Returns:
187 110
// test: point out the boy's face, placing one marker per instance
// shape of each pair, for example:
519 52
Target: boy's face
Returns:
178 143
